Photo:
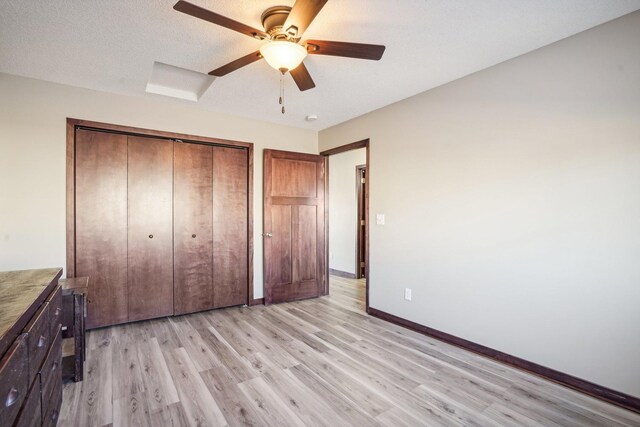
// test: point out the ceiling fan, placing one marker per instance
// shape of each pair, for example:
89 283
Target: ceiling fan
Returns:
283 29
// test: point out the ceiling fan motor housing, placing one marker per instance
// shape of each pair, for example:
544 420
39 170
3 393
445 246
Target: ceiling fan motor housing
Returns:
273 19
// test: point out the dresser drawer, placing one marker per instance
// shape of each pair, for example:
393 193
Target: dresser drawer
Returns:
52 367
55 310
31 412
38 340
51 409
14 380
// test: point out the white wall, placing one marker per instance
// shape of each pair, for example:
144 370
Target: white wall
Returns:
512 202
33 148
343 209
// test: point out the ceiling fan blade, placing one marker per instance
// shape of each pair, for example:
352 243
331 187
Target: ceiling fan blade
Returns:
349 50
207 15
234 65
302 77
301 15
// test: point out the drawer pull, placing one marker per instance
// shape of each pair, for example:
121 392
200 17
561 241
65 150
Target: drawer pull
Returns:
58 310
54 415
42 341
12 397
54 366
193 235
151 236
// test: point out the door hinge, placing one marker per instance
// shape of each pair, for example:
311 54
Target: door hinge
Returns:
322 172
362 180
362 222
362 264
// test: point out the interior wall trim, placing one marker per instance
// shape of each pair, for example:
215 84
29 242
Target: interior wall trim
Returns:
74 124
614 397
348 147
340 273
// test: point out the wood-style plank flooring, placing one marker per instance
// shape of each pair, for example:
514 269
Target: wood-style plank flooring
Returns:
320 362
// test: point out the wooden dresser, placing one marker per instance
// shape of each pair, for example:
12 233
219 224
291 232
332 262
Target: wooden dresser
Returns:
30 347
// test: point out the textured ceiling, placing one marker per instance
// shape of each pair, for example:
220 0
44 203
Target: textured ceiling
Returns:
111 45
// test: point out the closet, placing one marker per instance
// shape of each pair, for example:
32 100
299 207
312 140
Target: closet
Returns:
160 224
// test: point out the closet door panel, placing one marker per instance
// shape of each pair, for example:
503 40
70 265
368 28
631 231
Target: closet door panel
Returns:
230 176
101 224
193 228
150 234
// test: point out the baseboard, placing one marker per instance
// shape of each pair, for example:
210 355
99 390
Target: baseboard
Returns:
341 274
257 301
603 393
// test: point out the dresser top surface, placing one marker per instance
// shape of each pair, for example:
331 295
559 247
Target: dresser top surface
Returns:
19 290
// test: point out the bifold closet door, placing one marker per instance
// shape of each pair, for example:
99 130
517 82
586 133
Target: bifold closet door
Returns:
101 223
193 227
230 178
150 231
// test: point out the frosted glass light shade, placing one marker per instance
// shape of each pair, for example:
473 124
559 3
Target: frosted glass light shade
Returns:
282 54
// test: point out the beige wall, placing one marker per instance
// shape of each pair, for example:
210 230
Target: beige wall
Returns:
343 209
32 158
512 202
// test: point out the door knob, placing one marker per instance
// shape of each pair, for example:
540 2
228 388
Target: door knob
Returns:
268 234
151 236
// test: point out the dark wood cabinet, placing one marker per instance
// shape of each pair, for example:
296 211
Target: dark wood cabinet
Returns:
161 224
30 348
74 347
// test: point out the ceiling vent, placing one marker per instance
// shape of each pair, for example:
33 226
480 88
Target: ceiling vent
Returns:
178 82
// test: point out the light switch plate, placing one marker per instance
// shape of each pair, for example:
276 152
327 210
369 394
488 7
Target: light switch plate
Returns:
407 294
380 219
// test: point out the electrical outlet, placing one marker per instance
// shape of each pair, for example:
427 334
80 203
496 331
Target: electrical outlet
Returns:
407 294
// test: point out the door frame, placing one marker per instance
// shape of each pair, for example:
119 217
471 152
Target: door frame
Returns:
337 150
74 124
360 170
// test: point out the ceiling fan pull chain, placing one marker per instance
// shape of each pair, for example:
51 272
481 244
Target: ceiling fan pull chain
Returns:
282 90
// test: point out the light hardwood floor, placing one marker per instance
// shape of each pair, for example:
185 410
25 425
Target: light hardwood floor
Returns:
315 362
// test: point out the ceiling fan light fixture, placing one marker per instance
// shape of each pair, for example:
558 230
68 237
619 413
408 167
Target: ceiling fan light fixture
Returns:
283 55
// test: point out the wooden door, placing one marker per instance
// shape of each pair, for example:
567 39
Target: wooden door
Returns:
150 234
101 224
230 232
193 227
294 225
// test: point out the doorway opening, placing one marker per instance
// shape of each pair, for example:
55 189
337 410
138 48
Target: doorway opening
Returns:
347 219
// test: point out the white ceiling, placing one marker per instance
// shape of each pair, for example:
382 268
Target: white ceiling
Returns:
111 45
